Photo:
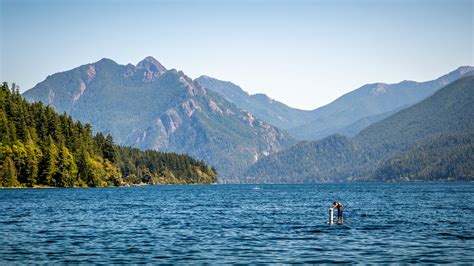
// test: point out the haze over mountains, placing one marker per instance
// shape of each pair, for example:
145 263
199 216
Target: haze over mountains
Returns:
347 115
150 107
432 140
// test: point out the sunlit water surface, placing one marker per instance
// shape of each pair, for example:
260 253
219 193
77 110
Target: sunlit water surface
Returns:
407 223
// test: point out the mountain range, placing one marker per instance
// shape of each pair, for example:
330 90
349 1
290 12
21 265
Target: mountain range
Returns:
431 140
347 115
149 107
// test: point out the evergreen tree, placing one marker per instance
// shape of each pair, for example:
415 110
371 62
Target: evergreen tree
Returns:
8 174
49 163
5 135
108 150
67 169
33 155
20 157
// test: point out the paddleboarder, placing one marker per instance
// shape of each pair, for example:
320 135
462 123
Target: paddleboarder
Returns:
338 205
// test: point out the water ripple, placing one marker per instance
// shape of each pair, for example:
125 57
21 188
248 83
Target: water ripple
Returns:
384 223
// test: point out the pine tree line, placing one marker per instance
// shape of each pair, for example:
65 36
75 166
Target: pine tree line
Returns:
39 147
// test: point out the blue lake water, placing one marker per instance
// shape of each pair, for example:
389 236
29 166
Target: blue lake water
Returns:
407 223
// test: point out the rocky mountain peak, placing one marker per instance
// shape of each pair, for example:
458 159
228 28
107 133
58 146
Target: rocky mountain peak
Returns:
151 64
151 68
104 62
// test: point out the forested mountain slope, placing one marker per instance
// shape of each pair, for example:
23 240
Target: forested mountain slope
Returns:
442 157
336 158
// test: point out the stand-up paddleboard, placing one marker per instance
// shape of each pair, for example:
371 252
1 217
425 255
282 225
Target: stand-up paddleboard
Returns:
331 216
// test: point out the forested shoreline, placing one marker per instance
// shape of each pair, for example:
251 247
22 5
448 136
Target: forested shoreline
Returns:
39 147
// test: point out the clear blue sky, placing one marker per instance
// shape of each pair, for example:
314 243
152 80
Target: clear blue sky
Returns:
303 53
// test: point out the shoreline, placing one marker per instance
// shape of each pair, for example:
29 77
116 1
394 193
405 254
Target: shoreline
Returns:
325 183
127 185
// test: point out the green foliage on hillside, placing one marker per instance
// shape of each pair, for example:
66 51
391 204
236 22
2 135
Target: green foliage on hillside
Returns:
154 167
449 111
441 158
40 147
328 160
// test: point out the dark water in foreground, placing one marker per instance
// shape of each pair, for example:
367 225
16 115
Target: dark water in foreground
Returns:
408 223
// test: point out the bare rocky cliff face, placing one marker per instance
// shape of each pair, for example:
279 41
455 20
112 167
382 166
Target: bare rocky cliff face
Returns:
150 107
